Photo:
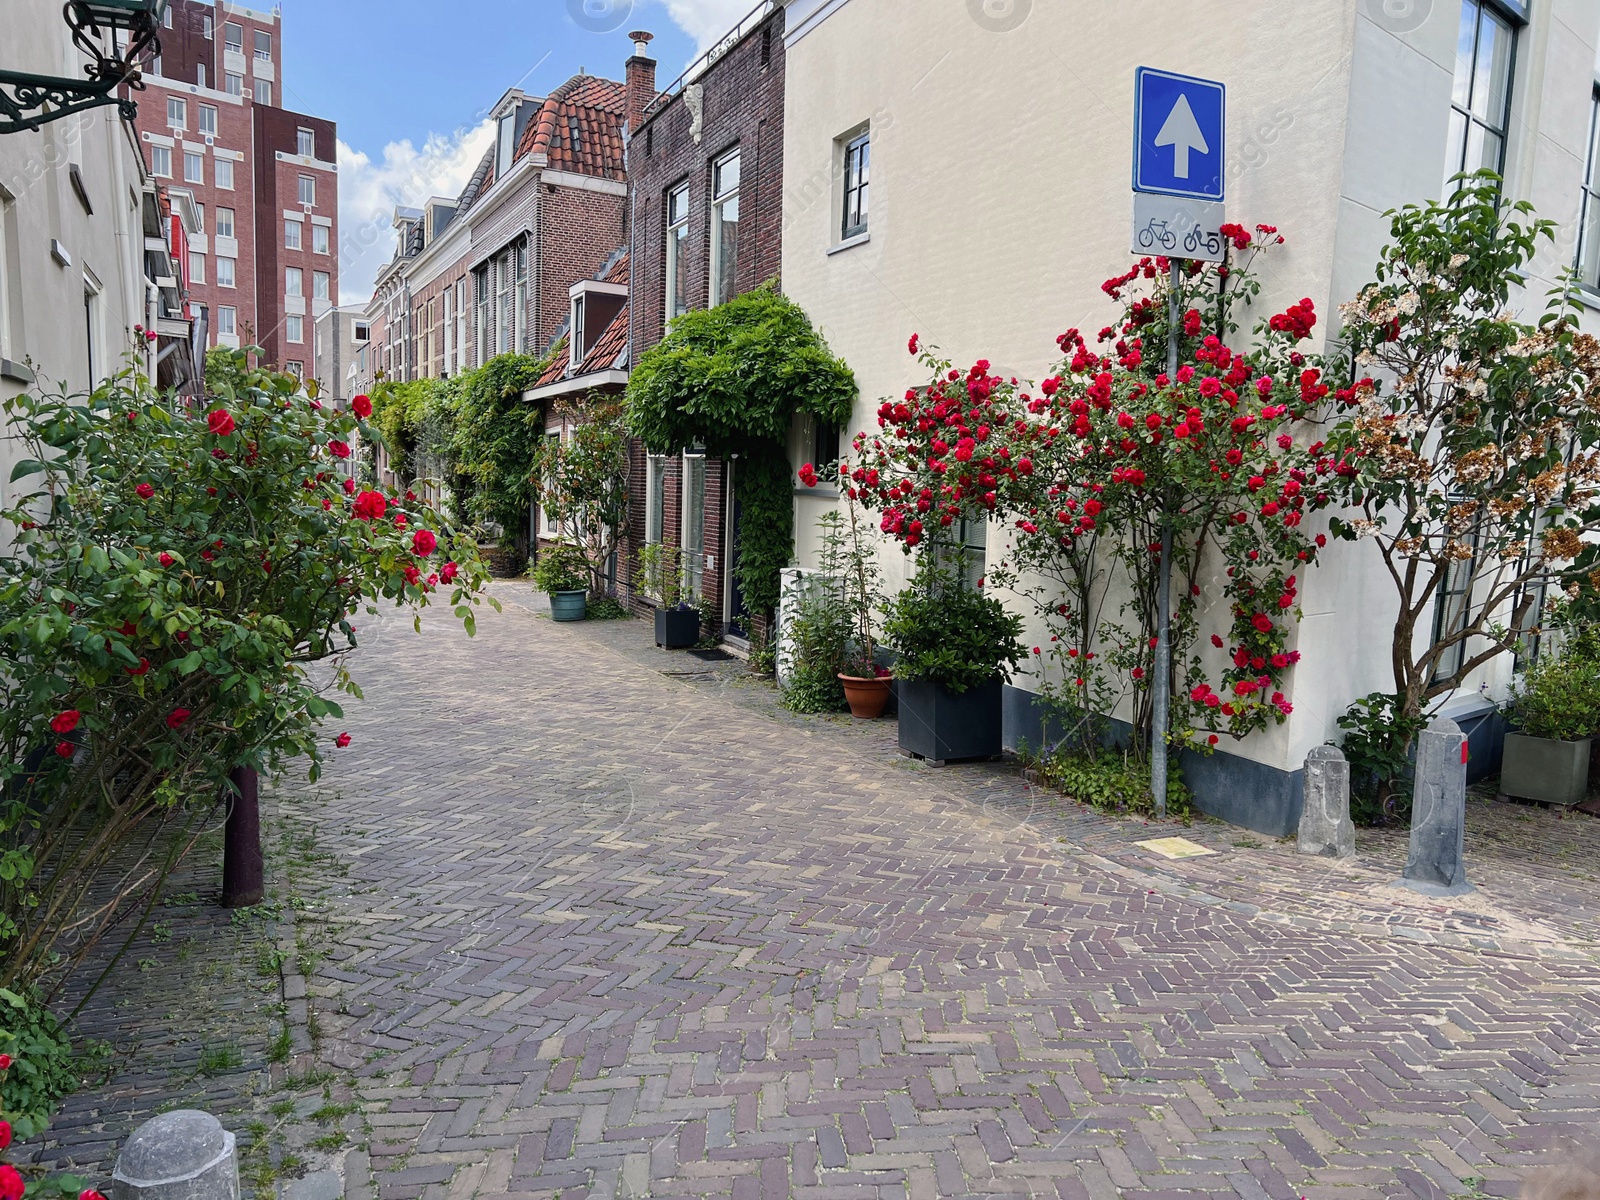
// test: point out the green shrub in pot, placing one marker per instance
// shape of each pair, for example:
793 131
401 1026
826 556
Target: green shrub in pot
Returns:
949 633
1559 698
561 568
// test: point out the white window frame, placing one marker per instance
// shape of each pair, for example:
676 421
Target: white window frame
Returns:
227 271
227 320
294 281
177 112
305 142
226 224
655 499
197 267
321 239
321 285
263 92
233 83
161 162
294 329
208 120
677 226
222 171
308 186
194 167
228 30
293 236
724 196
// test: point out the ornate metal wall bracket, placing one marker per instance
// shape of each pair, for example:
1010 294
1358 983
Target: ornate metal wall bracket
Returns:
31 101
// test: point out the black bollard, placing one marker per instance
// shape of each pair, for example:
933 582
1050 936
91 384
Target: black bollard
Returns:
242 866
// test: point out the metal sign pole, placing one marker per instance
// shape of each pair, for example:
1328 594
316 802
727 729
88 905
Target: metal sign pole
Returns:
1163 674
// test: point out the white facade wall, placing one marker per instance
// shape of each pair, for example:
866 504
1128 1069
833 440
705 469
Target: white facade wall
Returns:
1000 201
53 249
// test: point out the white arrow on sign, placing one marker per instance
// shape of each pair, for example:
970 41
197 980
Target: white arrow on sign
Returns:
1182 132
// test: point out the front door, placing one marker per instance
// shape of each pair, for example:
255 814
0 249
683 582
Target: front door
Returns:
736 620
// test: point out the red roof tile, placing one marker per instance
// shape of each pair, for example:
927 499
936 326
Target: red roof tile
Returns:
557 370
579 128
610 346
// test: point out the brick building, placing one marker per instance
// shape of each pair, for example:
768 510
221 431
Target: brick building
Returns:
263 179
489 272
705 169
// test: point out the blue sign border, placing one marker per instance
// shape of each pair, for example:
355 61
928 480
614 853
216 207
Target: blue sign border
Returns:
1138 127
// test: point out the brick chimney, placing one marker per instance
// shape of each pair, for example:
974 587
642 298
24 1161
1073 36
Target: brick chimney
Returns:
641 85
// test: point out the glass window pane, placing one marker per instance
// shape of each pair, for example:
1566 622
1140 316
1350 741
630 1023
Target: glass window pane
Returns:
1466 39
694 526
727 175
1589 247
1491 75
1483 149
727 249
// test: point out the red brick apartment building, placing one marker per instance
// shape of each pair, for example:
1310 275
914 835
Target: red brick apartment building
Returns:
705 169
265 262
489 272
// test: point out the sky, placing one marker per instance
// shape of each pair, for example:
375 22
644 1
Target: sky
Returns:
409 85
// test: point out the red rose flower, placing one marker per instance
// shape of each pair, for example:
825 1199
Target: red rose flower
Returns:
449 572
5 1134
90 1194
423 543
342 740
912 344
11 1185
349 487
362 406
64 749
339 449
144 491
370 506
66 722
177 717
219 422
142 669
5 1062
166 560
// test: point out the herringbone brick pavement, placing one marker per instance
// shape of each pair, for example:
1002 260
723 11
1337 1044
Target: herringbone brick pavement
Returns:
606 933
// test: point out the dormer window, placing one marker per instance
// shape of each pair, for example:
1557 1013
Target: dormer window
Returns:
579 345
507 144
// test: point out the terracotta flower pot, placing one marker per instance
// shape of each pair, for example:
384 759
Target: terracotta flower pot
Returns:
868 697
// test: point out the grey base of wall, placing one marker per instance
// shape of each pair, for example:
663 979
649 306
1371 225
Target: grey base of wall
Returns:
1246 793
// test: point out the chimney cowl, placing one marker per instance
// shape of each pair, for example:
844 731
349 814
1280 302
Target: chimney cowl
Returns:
641 40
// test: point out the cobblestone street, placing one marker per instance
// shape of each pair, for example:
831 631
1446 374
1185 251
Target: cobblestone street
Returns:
606 931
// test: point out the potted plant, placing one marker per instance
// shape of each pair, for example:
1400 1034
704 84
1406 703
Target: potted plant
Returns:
562 573
956 647
852 570
677 619
1556 712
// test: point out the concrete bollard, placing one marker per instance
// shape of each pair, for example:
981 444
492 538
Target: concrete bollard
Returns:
1436 865
1325 825
182 1155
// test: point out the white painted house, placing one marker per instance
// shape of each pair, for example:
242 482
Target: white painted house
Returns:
997 144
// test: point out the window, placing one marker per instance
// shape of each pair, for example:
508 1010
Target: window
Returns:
263 46
200 218
480 285
294 329
461 324
197 267
224 173
507 144
161 162
297 369
308 190
824 444
677 251
363 332
208 119
194 167
857 172
227 320
321 285
694 522
575 354
725 229
263 91
155 66
574 136
291 235
226 272
655 499
548 524
224 222
1480 104
177 112
293 281
200 74
233 37
974 550
1589 221
208 28
8 256
166 19
319 239
305 141
1452 608
233 83
91 326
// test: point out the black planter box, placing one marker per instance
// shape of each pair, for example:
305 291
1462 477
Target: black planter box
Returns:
944 726
676 628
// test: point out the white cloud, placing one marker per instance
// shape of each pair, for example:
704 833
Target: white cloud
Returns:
707 20
370 191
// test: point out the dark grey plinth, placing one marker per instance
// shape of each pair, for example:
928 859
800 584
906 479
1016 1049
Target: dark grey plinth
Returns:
677 628
944 726
1543 769
1436 865
182 1155
1325 825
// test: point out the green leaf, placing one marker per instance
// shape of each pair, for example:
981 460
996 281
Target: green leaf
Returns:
27 466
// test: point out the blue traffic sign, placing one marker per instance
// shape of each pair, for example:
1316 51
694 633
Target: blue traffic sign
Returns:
1179 135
